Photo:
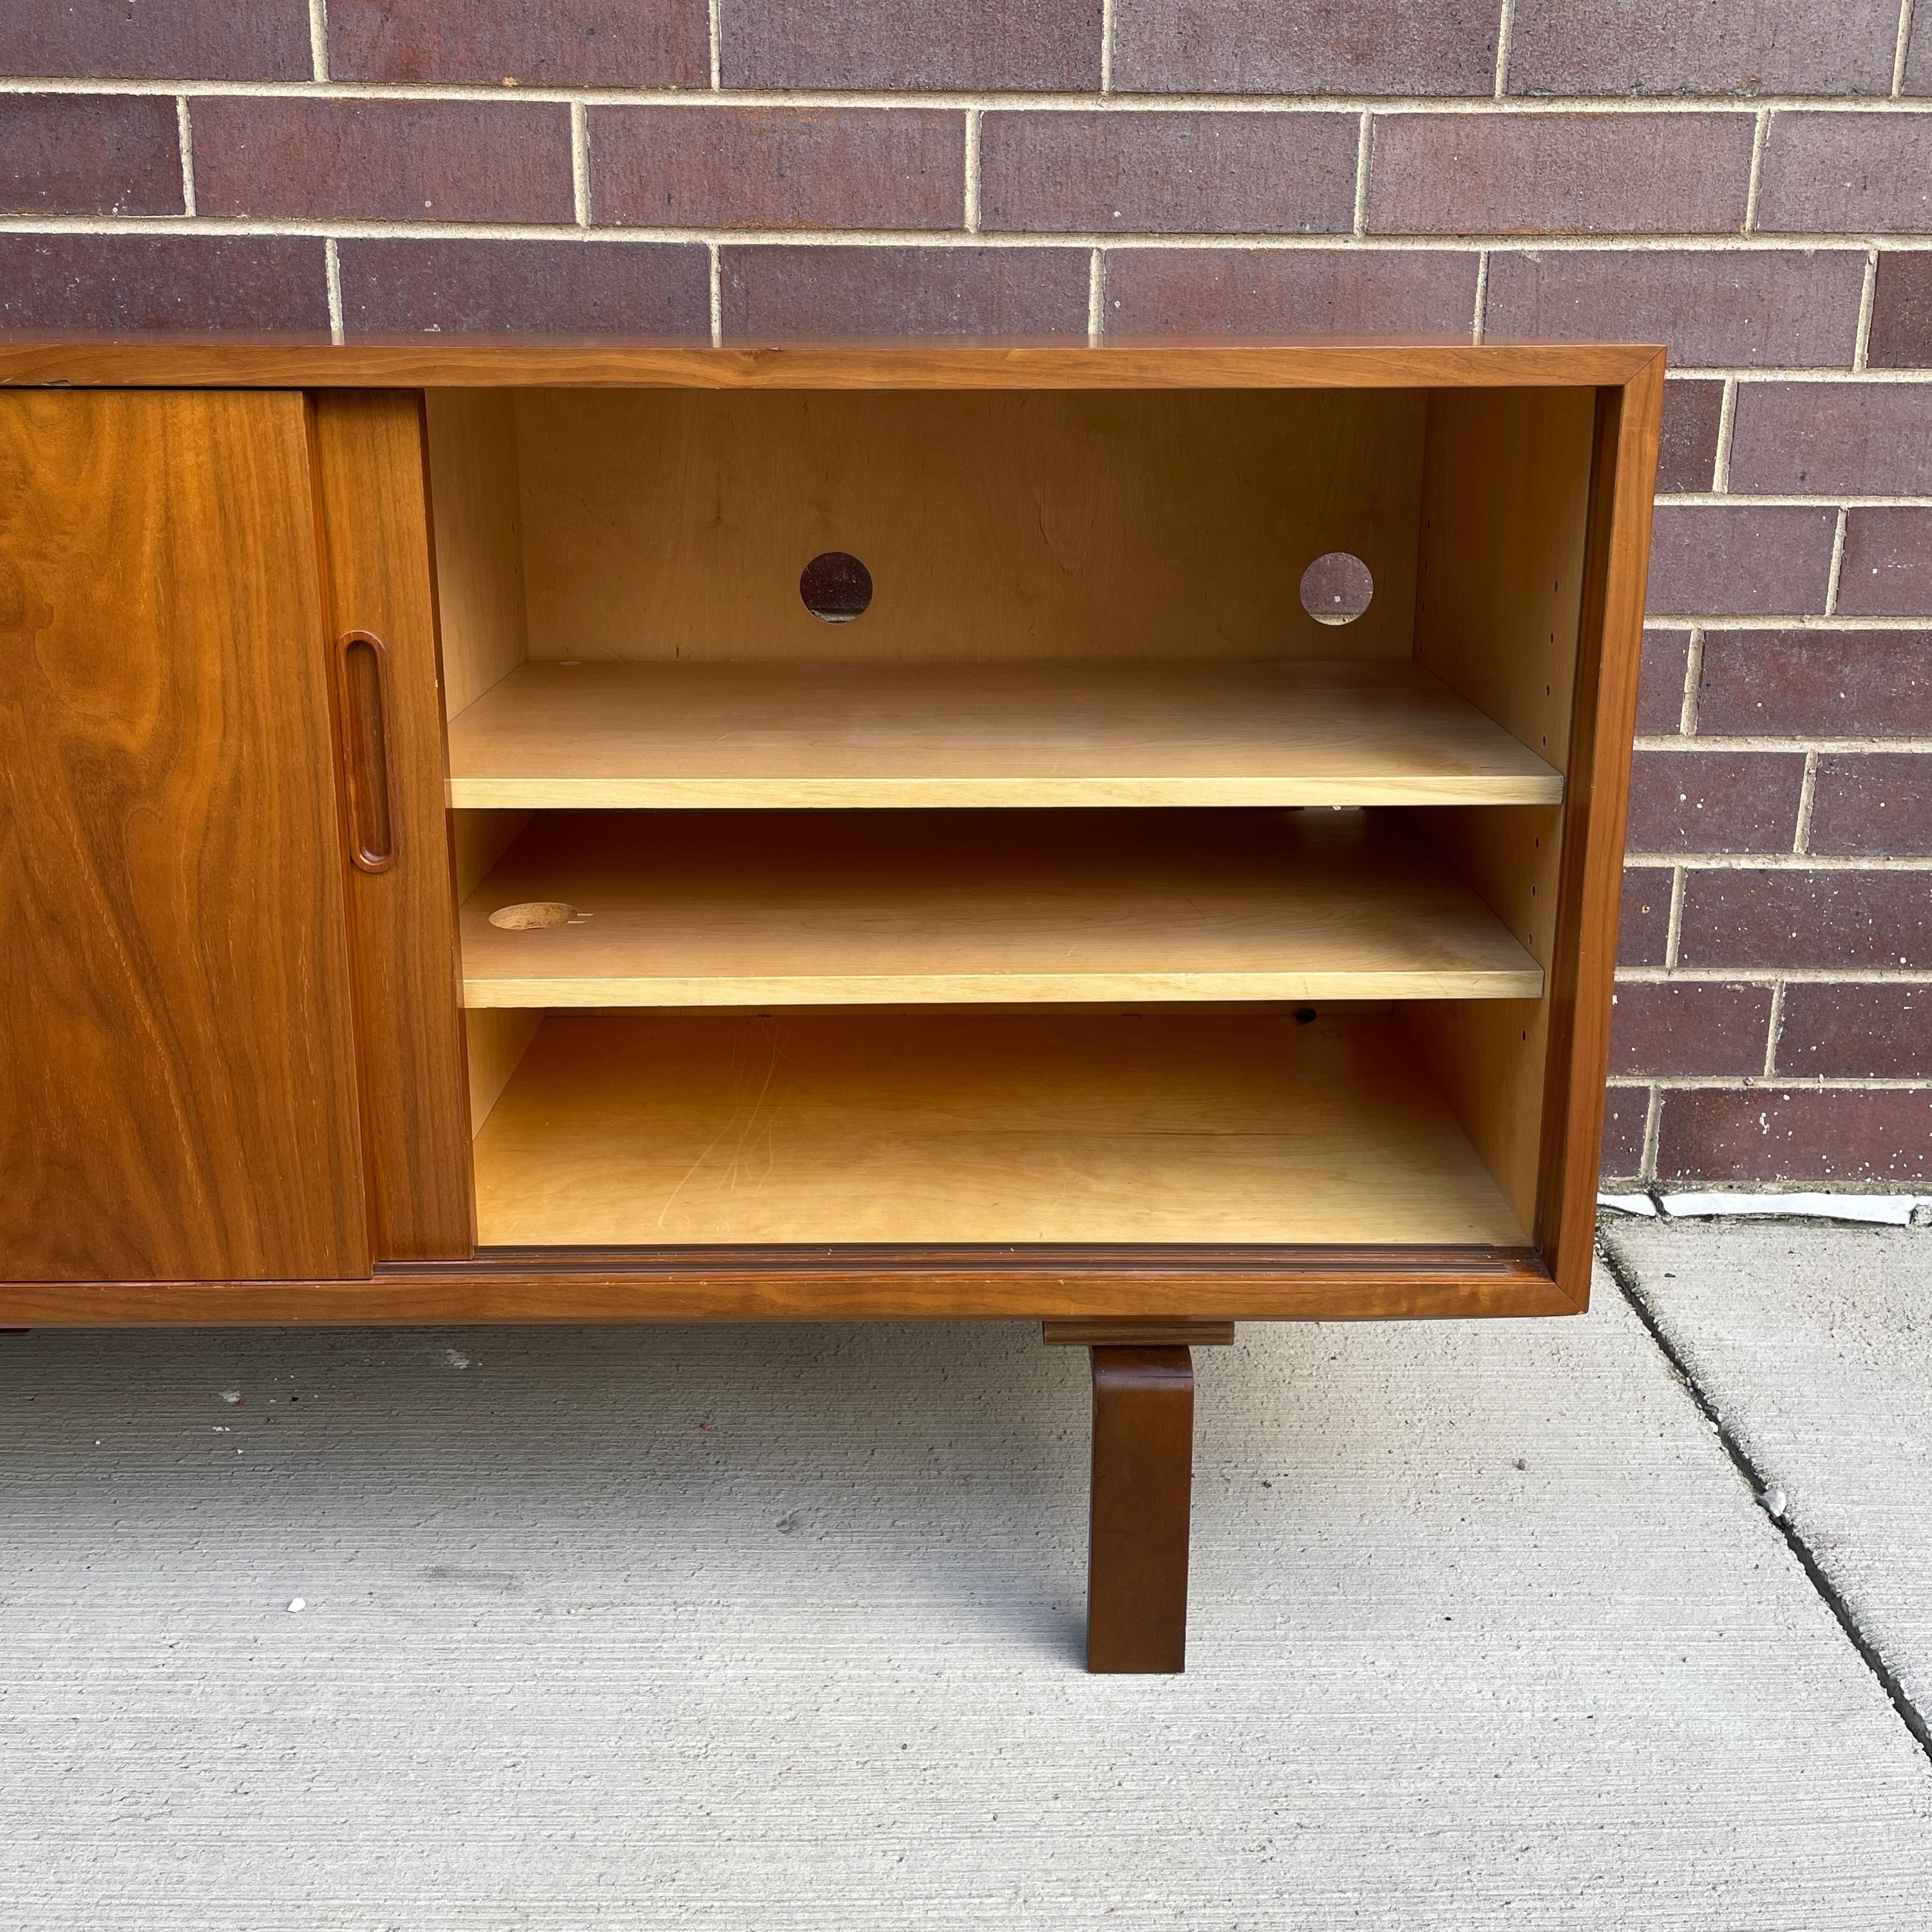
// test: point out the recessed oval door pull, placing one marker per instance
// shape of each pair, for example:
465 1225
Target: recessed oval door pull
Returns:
362 666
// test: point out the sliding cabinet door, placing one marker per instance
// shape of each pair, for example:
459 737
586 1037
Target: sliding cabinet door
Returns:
178 1095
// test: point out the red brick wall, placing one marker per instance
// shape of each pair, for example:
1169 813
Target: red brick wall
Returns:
1749 181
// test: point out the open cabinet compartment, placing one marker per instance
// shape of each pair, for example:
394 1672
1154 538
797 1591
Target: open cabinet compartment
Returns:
1086 889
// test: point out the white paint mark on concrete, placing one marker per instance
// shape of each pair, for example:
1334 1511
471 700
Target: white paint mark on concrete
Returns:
1889 1210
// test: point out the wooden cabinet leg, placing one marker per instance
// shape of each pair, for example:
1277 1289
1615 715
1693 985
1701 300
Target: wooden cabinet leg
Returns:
1143 1475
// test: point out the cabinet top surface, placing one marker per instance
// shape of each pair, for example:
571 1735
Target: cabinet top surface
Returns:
952 362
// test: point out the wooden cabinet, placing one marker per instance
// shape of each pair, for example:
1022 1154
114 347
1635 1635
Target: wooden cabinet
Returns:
1126 838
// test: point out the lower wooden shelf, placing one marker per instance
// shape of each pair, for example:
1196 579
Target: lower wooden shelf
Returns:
934 1126
690 909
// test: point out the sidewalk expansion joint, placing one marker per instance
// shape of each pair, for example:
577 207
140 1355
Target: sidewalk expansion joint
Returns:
1631 1287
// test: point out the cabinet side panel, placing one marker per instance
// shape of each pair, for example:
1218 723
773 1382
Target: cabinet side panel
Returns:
1622 491
402 921
177 1071
479 538
1500 591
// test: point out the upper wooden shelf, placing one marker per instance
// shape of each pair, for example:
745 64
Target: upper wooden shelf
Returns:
1216 732
756 909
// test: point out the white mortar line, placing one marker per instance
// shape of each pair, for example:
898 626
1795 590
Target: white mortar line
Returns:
1764 976
1780 862
1808 798
579 162
715 29
1653 1120
1108 10
1660 622
332 271
717 298
1758 134
1793 372
1867 294
350 227
1790 742
1096 295
1674 925
1770 499
1505 31
1364 139
1727 417
1750 1083
1063 101
1837 565
318 47
184 133
1482 297
1899 48
1694 677
1774 1030
972 164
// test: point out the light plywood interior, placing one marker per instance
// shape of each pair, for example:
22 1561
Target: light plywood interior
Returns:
1081 601
1167 523
1218 731
939 1127
688 909
1505 510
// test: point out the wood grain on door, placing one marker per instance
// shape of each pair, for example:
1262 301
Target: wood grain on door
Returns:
177 1072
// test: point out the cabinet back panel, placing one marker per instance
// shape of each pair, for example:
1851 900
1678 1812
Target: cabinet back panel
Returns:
177 1077
1158 524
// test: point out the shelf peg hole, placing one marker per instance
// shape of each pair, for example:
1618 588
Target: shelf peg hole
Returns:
836 587
531 914
1337 588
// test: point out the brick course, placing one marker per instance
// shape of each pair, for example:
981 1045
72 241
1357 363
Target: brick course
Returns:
563 42
1714 801
1875 803
1870 438
1836 683
1824 171
383 160
1741 560
1306 292
1305 46
1779 1135
1857 1032
78 154
1888 565
1686 454
1901 322
773 293
1169 174
1669 47
202 40
1560 174
906 44
1794 309
776 167
524 288
1737 179
1810 919
1696 1029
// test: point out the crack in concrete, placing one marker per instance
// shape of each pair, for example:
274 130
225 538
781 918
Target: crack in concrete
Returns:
1623 1272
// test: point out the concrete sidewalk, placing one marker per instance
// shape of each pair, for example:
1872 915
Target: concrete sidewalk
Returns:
776 1628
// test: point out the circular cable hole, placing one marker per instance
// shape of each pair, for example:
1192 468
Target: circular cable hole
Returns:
836 587
533 914
1337 588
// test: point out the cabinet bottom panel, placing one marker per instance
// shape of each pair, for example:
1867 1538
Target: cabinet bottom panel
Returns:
898 1127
